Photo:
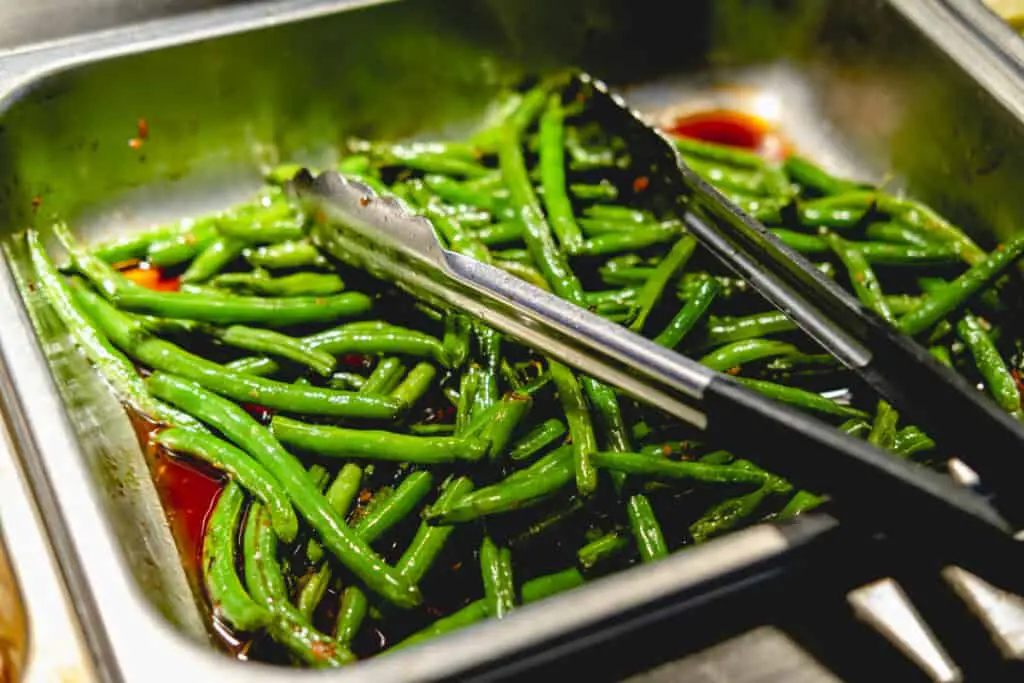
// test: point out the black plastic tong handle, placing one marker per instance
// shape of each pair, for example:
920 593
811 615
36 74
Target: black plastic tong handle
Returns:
900 369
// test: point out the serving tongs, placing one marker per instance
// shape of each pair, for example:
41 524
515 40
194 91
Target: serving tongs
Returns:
931 395
867 486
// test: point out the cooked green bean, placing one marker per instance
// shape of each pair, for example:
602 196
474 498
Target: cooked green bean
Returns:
496 569
231 602
739 353
183 246
552 165
537 439
430 539
581 428
689 315
297 284
938 305
990 364
285 255
862 277
241 468
801 398
415 385
652 290
660 468
812 177
726 331
238 426
883 430
213 259
602 549
370 444
277 344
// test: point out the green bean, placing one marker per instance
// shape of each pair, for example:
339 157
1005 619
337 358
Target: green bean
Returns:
581 428
739 353
510 412
862 277
266 584
134 246
370 444
723 154
941 354
390 339
415 385
689 315
419 556
977 278
801 398
521 489
839 212
163 355
297 254
496 569
340 495
647 533
231 603
990 364
213 259
468 384
277 344
263 224
727 514
907 254
897 233
238 426
552 584
537 439
351 614
801 502
901 304
920 217
662 469
730 179
347 381
426 160
652 290
618 214
185 245
506 232
552 167
883 429
765 209
633 240
297 284
536 232
801 241
396 508
455 192
910 440
602 549
385 377
602 191
812 177
112 364
240 468
455 343
470 614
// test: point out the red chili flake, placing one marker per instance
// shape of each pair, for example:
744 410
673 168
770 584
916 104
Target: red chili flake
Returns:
322 649
457 566
135 143
143 129
666 449
261 414
859 277
1015 373
364 201
153 278
365 495
354 360
733 371
641 183
37 201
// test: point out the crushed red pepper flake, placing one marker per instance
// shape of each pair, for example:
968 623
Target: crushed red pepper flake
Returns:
37 201
135 143
143 129
641 183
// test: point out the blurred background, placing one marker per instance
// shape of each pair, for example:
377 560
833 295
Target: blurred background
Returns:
30 21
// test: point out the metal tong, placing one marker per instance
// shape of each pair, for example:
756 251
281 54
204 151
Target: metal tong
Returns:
901 370
868 486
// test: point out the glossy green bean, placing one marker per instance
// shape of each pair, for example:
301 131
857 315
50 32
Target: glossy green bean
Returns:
537 439
883 429
229 598
521 489
213 259
897 233
385 377
728 330
552 168
739 353
663 469
801 398
496 570
340 495
581 428
602 191
602 549
397 507
241 468
723 154
728 178
839 212
812 177
272 223
863 279
135 245
296 254
297 284
675 260
990 364
727 514
277 344
689 315
267 586
511 411
910 440
88 335
238 426
371 444
647 533
632 240
920 217
415 385
430 539
351 614
977 278
183 246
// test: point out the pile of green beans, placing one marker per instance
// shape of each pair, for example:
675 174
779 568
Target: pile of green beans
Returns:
411 471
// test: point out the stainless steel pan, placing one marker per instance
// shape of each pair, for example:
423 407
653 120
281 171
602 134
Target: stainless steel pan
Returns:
863 85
